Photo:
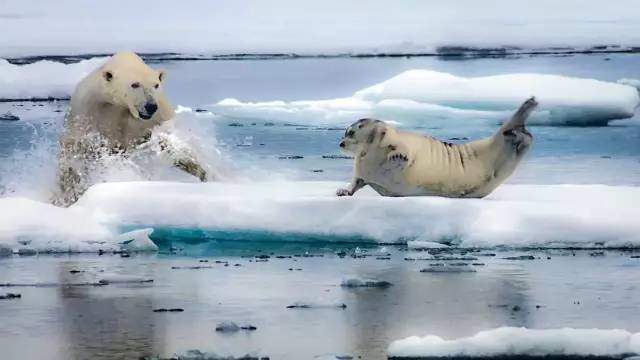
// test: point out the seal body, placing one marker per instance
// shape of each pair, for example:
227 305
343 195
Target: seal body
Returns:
400 163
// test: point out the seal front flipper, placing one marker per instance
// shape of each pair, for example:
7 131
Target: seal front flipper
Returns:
398 159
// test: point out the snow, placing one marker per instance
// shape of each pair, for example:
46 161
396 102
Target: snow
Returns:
43 79
227 26
511 341
514 215
420 95
631 82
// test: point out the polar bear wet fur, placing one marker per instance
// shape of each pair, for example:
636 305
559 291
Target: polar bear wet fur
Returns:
112 111
400 163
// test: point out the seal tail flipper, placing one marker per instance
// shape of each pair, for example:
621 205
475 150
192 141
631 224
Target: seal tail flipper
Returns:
517 121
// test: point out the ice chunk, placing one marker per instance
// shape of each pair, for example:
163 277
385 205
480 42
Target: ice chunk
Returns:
510 341
123 279
423 245
137 241
366 283
53 79
420 96
227 326
447 269
305 305
5 251
49 228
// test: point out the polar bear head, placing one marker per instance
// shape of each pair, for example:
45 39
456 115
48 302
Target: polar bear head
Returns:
128 82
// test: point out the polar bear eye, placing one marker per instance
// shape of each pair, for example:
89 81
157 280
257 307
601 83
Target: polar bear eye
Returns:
135 85
350 133
156 86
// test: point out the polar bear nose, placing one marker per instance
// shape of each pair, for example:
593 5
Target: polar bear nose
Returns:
150 108
342 144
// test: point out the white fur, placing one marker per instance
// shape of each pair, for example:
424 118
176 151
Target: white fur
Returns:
109 115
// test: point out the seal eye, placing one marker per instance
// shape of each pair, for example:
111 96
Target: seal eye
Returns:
135 85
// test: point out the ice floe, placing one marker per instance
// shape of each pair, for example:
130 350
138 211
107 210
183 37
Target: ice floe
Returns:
418 97
43 79
513 216
511 341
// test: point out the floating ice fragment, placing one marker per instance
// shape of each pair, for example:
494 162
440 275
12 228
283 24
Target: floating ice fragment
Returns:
366 283
422 245
5 251
123 279
137 241
510 341
447 269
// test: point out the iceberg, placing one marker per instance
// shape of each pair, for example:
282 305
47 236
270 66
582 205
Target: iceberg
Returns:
511 341
420 96
517 216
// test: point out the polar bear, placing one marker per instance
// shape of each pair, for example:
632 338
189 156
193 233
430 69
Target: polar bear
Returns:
399 163
113 111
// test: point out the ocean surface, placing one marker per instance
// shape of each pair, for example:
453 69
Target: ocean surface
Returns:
60 316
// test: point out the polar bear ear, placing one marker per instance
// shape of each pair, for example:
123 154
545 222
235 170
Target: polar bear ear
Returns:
162 75
107 75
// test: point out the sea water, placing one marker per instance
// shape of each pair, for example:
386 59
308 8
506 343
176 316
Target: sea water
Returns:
117 320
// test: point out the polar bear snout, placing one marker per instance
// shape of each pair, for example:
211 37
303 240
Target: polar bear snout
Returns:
147 111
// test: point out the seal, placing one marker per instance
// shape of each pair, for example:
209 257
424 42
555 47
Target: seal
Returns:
401 163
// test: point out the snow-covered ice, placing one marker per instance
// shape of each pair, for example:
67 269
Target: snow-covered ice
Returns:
514 215
420 96
51 228
510 341
330 26
43 79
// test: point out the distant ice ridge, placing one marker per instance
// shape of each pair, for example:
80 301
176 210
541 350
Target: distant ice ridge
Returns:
227 27
43 79
421 96
513 216
511 341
